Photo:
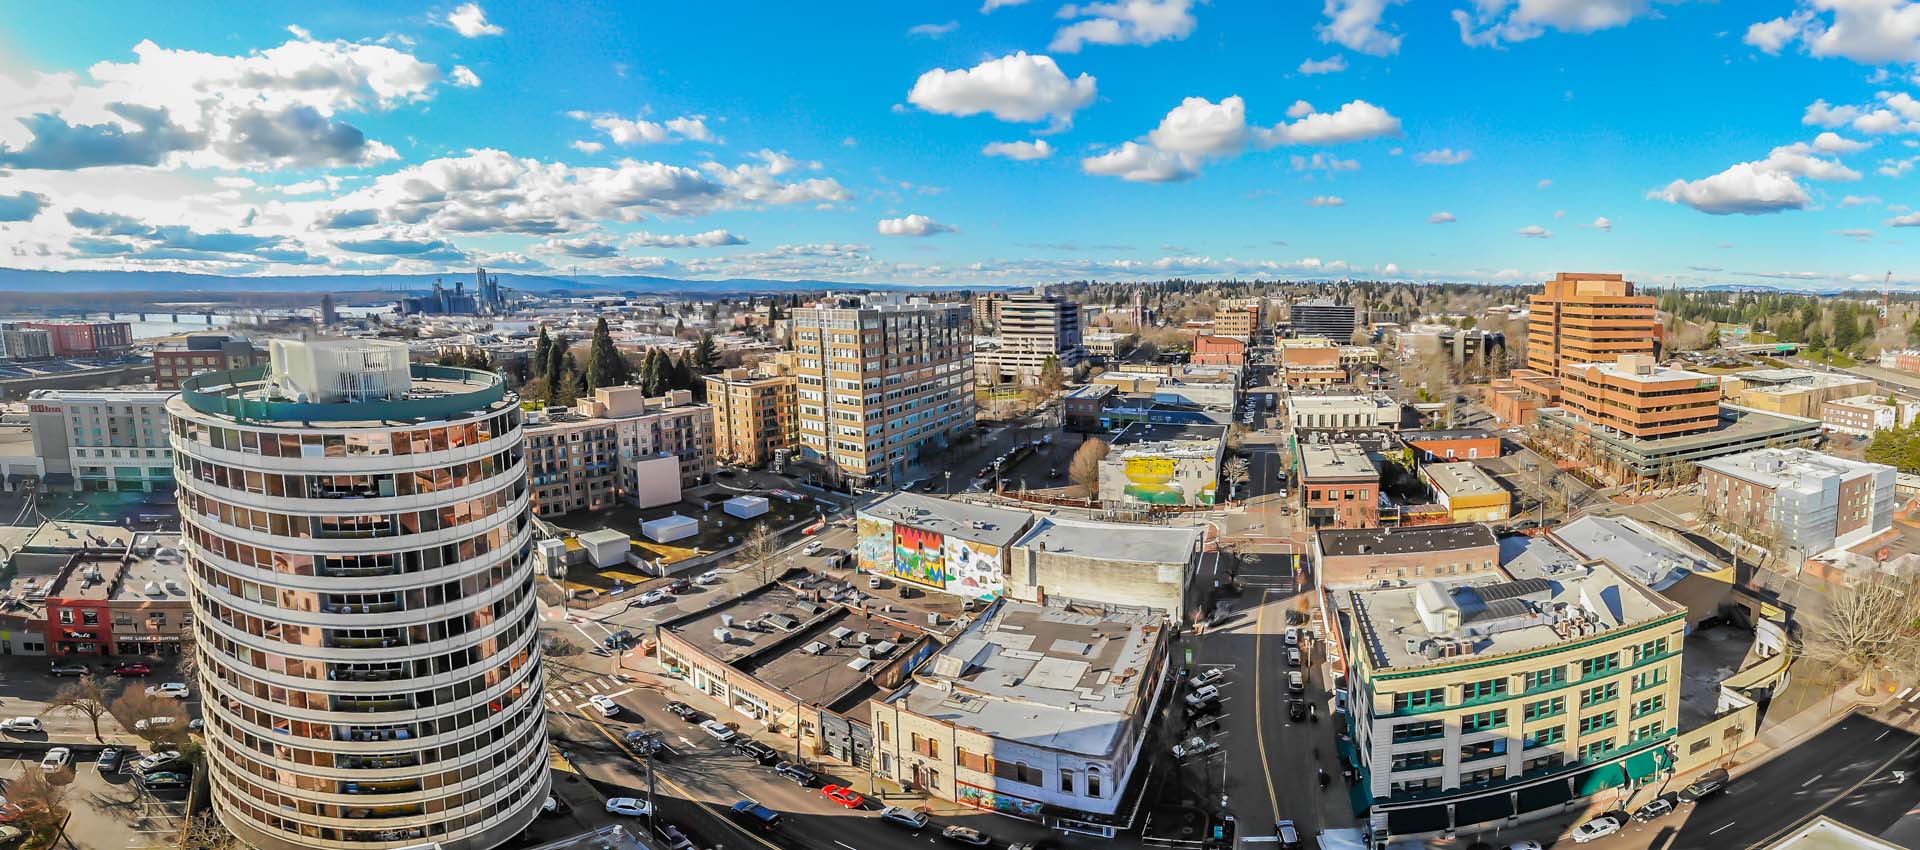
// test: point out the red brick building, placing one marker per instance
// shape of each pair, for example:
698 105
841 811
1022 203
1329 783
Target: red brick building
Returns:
1339 486
1458 444
1347 557
1214 350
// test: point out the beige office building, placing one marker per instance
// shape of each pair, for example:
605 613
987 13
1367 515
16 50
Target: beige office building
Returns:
880 379
1588 318
753 414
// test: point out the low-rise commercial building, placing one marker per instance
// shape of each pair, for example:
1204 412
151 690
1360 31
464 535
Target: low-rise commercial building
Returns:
1793 392
1339 486
1338 409
1035 711
1083 406
1240 318
1624 457
1904 360
1150 566
942 544
1862 415
1636 397
1107 345
87 339
1154 464
1516 399
1454 444
1219 350
103 440
1354 557
1475 701
205 352
1467 492
1799 499
753 415
130 599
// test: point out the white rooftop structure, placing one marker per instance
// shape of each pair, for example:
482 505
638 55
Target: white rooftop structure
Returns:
1633 547
338 370
1112 541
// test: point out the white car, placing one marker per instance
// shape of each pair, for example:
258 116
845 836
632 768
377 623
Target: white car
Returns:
156 760
21 724
1599 827
154 724
653 597
57 760
632 807
718 730
1203 695
813 548
608 708
1293 636
177 690
708 577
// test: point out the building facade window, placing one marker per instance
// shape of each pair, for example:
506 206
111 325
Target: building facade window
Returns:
1545 708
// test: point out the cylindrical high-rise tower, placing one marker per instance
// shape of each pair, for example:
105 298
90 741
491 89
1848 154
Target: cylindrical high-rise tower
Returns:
363 600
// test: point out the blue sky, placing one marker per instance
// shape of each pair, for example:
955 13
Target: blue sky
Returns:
1684 142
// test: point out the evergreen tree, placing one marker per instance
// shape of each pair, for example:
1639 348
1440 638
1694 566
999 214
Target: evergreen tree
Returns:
542 347
706 357
605 366
555 367
683 374
653 377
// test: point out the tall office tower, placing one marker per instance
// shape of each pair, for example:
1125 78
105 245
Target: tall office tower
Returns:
1035 327
358 536
880 380
1587 318
1325 318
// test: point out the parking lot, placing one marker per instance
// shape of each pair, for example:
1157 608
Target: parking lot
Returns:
110 812
30 688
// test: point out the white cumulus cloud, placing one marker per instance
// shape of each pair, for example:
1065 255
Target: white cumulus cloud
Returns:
1534 231
1355 25
1873 32
1441 217
1602 224
912 225
1019 87
1331 65
1039 149
471 21
1202 127
1326 201
1140 163
1352 122
627 132
464 77
1443 156
1496 22
1123 22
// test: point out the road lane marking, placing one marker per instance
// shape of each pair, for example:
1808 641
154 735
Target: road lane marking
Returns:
1883 734
1823 807
1717 831
675 787
846 845
683 740
1259 728
1812 779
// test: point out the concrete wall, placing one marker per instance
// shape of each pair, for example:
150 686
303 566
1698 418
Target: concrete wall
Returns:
1033 575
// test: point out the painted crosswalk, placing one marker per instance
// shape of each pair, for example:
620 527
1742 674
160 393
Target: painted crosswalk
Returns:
575 694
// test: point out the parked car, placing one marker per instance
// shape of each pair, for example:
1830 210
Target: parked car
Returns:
165 779
799 773
653 597
1710 783
56 760
756 814
812 548
1206 677
110 759
632 807
1293 636
619 640
1656 808
21 724
966 835
1203 695
1296 683
1296 709
1599 827
68 669
177 690
146 724
904 817
1523 845
156 761
685 712
1293 658
11 835
718 730
679 585
608 708
756 750
554 807
1195 746
708 577
132 668
843 795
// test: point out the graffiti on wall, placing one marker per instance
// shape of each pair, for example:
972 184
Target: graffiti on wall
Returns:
973 569
875 545
918 556
982 798
1150 480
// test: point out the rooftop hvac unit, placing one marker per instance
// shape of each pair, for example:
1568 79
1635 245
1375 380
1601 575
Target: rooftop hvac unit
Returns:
723 635
726 620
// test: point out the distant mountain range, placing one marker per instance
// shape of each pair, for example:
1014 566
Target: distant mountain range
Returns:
29 280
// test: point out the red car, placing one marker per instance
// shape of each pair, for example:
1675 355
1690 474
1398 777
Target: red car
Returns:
132 669
844 796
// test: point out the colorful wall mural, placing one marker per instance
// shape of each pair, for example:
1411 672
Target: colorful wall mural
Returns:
875 547
1150 480
981 798
919 556
973 569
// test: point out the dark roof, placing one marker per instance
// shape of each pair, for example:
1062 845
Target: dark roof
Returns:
1511 589
1403 541
1143 432
1450 434
1376 440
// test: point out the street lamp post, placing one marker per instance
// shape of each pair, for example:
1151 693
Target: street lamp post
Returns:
948 475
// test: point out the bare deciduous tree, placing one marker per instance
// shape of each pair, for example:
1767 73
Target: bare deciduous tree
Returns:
86 698
38 800
1865 629
1084 469
204 832
758 549
164 718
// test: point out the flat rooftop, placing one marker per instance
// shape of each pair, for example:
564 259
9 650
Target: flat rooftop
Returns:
1326 401
1451 434
1337 460
1155 433
1791 469
1656 373
1635 548
1340 542
1794 380
1067 675
1523 557
1461 479
832 658
952 518
1413 626
1737 425
1091 391
1378 440
1113 541
776 611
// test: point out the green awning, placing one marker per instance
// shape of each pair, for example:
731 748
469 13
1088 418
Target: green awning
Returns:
1644 764
1600 779
1664 758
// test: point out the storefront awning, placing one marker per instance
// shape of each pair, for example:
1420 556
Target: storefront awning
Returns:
1644 764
